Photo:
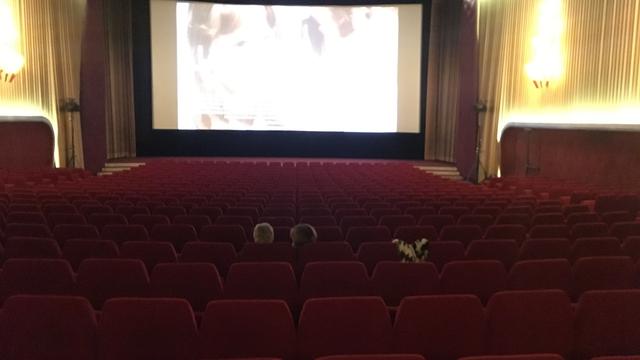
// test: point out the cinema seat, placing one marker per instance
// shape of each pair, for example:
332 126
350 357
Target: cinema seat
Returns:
169 211
324 251
440 327
541 274
331 326
175 234
55 219
29 247
600 246
588 230
606 324
334 279
222 255
394 280
151 253
622 230
102 279
130 211
26 218
122 233
77 250
482 278
27 230
232 234
393 222
443 252
602 273
329 234
47 327
505 251
483 221
247 329
149 221
246 222
547 219
545 249
348 222
516 357
36 276
269 280
549 231
413 233
582 218
462 233
437 221
362 234
62 233
370 254
515 232
132 329
198 283
526 322
197 221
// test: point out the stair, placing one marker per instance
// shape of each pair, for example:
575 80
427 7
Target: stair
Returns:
114 167
445 171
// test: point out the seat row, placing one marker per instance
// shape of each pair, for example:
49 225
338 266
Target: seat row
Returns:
101 279
222 253
445 327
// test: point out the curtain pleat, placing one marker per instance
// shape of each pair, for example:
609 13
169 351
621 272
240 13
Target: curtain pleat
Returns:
50 35
443 82
600 78
120 116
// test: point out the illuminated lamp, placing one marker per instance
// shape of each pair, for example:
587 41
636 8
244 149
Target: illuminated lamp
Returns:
546 65
10 64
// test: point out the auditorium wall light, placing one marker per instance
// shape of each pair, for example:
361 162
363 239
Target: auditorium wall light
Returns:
546 65
11 61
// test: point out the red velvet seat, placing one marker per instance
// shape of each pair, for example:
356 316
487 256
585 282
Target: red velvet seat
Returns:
545 249
440 327
348 222
374 357
197 221
77 250
588 230
602 273
102 279
101 220
482 278
169 211
175 234
129 211
27 230
246 222
36 276
362 234
437 221
147 329
232 234
47 327
262 281
582 218
394 280
64 232
515 357
526 322
277 220
600 246
462 233
483 221
334 278
443 252
28 247
151 253
622 230
606 323
549 231
254 252
332 326
149 221
319 220
323 251
547 219
413 233
370 254
329 233
26 218
515 232
122 233
198 283
541 274
211 212
247 329
55 219
222 255
505 251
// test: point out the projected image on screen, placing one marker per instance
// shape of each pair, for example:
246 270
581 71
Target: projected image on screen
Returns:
251 67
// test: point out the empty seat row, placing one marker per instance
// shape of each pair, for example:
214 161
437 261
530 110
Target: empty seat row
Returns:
101 279
435 327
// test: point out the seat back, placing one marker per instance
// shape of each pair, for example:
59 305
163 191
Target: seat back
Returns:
334 278
122 233
133 328
247 329
279 252
523 322
222 255
482 278
602 273
331 326
31 328
77 250
151 253
102 279
28 247
394 280
541 274
198 283
440 327
268 280
36 276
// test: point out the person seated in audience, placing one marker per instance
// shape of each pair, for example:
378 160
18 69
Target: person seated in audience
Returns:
263 233
302 234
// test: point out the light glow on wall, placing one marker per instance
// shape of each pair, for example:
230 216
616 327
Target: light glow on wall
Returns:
11 61
546 65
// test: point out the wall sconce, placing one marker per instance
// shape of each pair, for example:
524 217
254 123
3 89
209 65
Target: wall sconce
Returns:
546 65
11 62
